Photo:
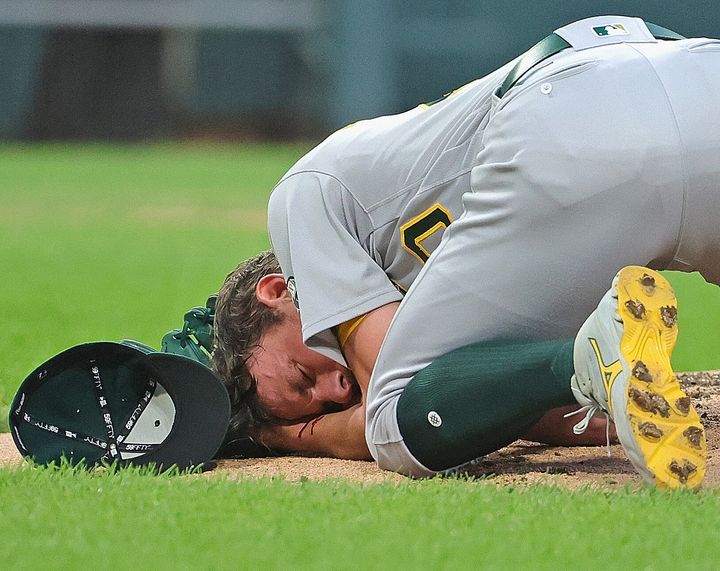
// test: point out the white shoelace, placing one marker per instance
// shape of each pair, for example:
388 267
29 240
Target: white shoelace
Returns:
590 411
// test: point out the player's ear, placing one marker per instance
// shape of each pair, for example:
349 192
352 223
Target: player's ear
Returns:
271 290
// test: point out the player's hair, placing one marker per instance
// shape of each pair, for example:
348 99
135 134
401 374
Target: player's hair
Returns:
240 321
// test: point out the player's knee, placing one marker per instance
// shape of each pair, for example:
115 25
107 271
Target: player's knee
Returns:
386 445
426 434
455 410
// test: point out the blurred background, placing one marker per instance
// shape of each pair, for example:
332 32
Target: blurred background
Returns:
137 70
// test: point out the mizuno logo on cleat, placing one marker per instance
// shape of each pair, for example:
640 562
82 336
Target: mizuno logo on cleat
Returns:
609 371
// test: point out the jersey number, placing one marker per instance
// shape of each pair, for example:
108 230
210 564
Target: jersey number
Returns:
419 228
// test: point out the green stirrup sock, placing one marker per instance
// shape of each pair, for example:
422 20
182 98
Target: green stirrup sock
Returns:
482 397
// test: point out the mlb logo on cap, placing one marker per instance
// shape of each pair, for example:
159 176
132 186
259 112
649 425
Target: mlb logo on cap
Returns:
610 30
107 402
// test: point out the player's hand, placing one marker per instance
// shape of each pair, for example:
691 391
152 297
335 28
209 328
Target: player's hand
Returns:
556 429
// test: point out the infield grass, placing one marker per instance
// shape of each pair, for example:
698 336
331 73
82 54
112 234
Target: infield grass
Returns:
61 519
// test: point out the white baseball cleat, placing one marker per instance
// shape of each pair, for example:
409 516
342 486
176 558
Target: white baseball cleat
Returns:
622 368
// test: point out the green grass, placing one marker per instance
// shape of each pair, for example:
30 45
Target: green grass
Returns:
56 519
698 345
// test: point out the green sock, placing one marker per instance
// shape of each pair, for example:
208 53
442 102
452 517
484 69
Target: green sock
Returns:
479 398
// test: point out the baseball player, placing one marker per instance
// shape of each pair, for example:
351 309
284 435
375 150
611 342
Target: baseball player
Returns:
584 155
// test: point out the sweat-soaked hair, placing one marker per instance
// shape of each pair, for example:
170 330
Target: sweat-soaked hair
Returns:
240 321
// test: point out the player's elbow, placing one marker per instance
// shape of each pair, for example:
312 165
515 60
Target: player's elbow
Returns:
356 451
352 445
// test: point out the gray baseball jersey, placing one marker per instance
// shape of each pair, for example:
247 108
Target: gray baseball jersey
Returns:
353 222
602 156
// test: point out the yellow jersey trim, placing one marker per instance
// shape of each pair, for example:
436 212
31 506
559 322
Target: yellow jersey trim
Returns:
344 330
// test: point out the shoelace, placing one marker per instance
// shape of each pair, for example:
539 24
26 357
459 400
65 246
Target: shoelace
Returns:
590 411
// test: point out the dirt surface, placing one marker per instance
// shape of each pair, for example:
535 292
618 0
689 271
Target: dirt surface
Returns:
519 464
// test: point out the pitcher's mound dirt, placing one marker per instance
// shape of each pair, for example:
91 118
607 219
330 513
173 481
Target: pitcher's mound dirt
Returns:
519 464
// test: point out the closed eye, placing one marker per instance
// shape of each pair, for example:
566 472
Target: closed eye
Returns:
308 380
305 382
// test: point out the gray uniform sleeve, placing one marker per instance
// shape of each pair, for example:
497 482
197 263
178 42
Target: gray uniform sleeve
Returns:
315 227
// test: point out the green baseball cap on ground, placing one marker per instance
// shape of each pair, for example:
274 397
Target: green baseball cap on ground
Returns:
120 402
